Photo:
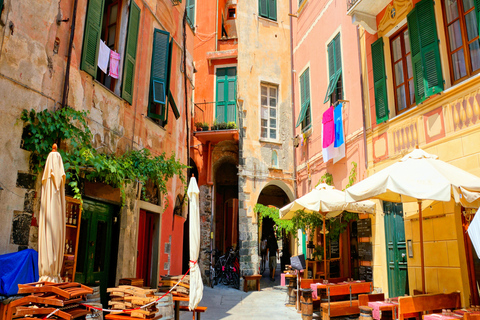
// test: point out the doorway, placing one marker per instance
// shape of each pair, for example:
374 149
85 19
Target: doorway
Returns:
396 249
97 253
146 230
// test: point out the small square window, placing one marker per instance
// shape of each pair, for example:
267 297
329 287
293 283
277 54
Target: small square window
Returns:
232 13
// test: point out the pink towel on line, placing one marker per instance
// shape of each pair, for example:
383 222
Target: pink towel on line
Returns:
328 127
114 63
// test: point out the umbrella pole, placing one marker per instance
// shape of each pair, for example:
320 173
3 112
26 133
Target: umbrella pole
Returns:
324 249
422 263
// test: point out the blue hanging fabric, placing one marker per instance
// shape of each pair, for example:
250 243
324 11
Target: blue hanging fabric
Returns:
338 119
17 268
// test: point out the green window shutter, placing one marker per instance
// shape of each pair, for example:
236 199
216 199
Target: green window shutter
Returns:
226 110
231 111
159 74
379 81
130 53
334 66
477 9
304 96
91 37
191 11
272 9
263 8
427 70
1 6
221 88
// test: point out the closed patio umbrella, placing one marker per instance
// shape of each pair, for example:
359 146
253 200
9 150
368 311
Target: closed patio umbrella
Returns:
327 201
419 176
51 220
196 284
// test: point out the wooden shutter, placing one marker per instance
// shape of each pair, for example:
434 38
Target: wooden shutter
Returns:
304 96
159 73
427 70
221 104
263 8
338 54
191 11
130 53
379 80
91 37
272 9
477 10
231 80
334 66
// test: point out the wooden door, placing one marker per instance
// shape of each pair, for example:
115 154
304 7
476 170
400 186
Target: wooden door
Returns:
93 263
396 249
146 229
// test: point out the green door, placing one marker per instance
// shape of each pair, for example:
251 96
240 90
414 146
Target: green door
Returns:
94 247
226 110
396 249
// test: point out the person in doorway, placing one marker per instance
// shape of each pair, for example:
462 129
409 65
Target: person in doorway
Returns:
272 253
263 253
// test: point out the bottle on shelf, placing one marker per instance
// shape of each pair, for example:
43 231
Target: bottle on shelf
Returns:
67 247
71 247
74 222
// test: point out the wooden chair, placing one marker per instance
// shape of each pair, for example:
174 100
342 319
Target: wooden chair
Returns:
364 299
198 310
471 316
409 306
344 308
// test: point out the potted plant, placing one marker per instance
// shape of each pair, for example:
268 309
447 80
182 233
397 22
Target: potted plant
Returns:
215 125
222 126
205 126
198 126
231 125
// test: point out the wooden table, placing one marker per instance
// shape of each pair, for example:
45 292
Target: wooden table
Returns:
380 306
177 300
439 316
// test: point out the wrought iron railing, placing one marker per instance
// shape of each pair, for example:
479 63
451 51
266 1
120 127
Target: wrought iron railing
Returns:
204 119
351 3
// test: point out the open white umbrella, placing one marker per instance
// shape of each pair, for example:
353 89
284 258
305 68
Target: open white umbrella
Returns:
196 284
327 201
51 220
419 176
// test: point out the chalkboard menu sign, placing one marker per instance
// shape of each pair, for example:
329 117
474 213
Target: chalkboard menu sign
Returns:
364 228
365 251
334 249
365 273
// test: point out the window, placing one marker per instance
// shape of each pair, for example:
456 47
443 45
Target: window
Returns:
304 115
334 90
103 24
190 7
160 94
420 45
268 9
402 71
462 37
226 110
232 13
269 96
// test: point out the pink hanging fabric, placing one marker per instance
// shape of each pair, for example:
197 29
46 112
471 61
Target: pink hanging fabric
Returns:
114 63
328 127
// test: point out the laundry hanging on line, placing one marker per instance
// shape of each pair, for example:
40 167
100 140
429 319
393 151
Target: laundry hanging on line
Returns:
103 56
333 142
114 64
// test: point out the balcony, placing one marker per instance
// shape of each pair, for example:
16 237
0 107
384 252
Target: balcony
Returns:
209 128
364 12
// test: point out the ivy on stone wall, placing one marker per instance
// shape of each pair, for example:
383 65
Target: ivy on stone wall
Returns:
43 129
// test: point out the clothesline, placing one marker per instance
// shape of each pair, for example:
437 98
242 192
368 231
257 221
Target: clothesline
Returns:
108 58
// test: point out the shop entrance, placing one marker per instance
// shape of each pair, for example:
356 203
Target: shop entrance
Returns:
97 253
226 207
396 249
146 230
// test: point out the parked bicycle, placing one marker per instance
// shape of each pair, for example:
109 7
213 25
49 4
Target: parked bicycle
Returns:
211 273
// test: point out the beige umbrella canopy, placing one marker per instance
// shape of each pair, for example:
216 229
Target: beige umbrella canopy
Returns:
196 284
419 176
327 201
51 220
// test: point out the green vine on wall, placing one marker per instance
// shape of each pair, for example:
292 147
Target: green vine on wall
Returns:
326 178
352 176
274 214
43 129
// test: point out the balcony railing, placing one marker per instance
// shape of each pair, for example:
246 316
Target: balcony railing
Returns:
204 119
351 3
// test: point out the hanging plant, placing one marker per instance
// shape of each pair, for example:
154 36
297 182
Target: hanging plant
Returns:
274 214
44 128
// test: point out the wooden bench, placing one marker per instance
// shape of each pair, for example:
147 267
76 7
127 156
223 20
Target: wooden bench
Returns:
344 308
364 299
409 307
196 311
255 277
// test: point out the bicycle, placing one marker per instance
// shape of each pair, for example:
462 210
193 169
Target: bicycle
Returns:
211 272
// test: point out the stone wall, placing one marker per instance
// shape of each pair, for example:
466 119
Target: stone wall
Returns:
205 199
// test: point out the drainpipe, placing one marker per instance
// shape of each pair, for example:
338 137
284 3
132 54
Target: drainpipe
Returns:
293 103
216 26
66 83
363 102
185 81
